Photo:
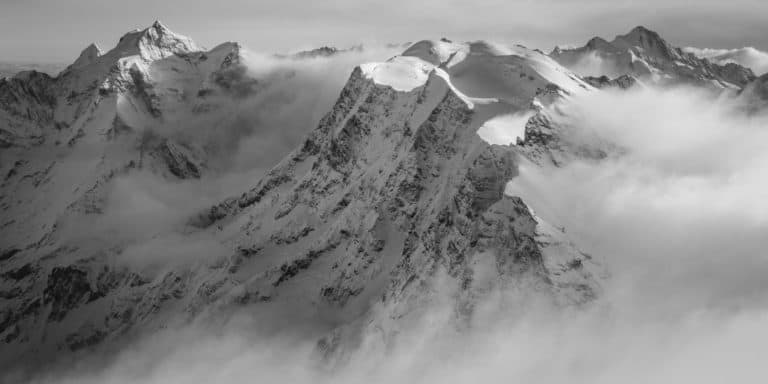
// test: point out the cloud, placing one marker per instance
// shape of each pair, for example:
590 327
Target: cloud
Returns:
749 57
678 216
681 209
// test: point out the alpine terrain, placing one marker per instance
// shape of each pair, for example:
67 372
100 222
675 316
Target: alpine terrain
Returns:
405 189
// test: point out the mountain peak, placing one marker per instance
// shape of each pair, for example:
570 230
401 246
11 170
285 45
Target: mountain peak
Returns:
645 54
90 53
644 38
640 33
154 43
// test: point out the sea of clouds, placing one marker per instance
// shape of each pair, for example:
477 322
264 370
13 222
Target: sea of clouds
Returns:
679 216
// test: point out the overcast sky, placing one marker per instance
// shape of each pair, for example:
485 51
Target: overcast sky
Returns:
56 30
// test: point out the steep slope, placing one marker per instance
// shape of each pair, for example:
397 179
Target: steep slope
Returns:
26 107
395 188
103 116
145 106
644 54
391 191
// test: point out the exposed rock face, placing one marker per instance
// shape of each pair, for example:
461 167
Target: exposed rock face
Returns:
66 138
64 141
393 189
622 82
317 52
154 43
26 108
644 54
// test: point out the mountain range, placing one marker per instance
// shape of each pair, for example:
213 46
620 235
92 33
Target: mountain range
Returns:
397 187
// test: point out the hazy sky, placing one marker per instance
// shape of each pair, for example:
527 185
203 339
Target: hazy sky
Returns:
56 30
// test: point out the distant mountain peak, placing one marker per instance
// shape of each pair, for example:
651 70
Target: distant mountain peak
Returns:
645 54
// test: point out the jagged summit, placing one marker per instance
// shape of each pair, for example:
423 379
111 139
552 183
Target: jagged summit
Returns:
651 42
146 45
643 53
640 33
153 43
87 56
126 75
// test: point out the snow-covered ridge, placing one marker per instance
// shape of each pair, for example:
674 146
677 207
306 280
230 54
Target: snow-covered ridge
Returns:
153 43
136 49
135 63
401 73
480 72
142 107
406 177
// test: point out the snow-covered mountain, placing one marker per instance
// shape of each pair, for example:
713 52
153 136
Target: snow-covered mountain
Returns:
66 137
643 53
395 186
402 184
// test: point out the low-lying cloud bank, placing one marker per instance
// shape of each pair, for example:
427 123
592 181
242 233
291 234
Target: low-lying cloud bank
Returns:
680 213
679 216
